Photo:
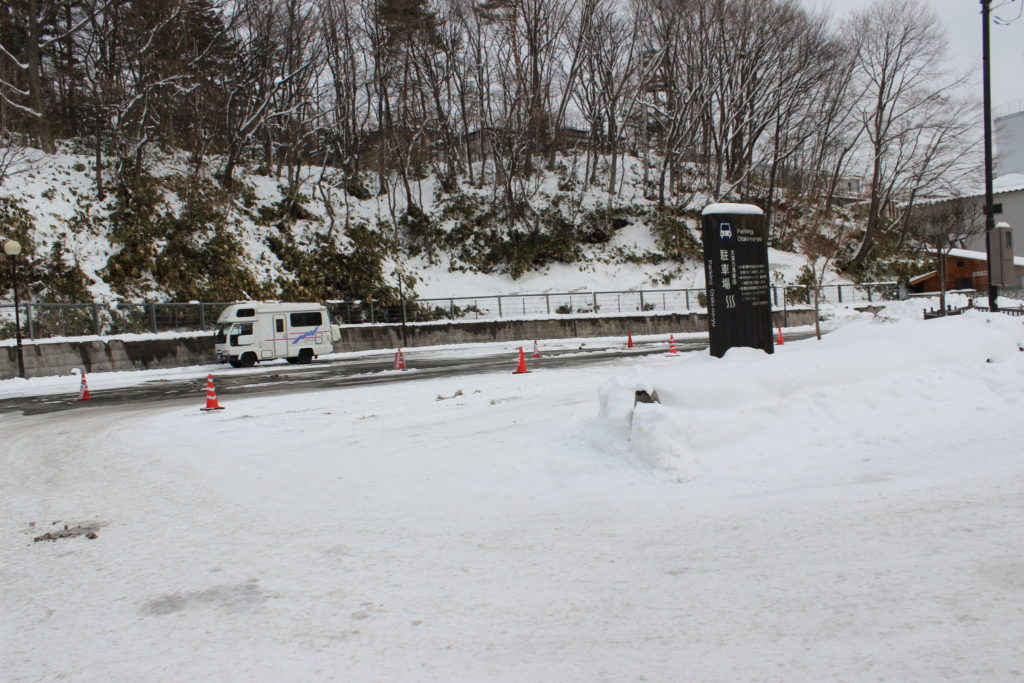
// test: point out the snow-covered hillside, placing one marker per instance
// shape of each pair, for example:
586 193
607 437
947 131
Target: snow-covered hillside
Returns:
59 194
841 510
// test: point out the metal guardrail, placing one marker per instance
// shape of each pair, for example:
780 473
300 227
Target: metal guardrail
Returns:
42 320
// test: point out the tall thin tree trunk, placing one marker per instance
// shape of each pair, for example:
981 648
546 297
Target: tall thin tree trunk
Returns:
100 194
35 81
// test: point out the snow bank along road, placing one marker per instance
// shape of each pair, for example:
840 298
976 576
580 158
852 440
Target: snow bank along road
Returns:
339 370
848 510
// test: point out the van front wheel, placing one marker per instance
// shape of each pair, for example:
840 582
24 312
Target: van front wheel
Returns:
306 356
248 360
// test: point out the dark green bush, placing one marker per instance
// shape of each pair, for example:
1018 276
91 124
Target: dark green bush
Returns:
322 270
673 236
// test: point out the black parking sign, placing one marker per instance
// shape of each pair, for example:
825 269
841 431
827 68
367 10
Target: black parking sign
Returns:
736 274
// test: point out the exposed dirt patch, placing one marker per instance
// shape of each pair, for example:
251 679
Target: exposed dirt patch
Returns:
230 597
87 529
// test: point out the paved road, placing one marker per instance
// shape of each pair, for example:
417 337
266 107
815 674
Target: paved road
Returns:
334 373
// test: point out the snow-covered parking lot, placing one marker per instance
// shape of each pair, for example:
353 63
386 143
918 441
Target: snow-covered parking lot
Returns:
850 509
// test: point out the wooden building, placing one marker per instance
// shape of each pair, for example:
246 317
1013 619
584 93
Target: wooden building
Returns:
964 270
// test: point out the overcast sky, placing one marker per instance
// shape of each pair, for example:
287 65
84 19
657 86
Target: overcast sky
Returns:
962 24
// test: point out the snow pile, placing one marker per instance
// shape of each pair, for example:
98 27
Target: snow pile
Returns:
892 382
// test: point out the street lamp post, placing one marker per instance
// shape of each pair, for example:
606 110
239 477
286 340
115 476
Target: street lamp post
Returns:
993 292
399 272
13 248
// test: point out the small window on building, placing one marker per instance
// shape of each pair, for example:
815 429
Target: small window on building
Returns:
306 319
245 313
959 263
279 325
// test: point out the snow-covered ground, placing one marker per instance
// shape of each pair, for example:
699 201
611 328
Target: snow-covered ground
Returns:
848 509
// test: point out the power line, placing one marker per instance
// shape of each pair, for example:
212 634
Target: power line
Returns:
1007 3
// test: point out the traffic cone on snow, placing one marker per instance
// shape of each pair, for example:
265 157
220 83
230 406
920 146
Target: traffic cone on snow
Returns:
672 343
211 396
522 363
83 391
536 349
629 340
779 341
400 360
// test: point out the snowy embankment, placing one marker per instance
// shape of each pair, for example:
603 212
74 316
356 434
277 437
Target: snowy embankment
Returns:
58 193
848 509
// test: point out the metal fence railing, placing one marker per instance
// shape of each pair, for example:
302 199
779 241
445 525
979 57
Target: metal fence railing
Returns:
864 292
666 300
44 320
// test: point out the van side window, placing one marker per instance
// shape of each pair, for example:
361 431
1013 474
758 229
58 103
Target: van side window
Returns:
239 330
245 313
279 325
306 319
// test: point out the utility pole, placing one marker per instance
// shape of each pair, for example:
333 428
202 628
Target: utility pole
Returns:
990 222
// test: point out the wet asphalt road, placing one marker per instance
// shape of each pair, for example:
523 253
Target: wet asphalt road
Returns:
335 373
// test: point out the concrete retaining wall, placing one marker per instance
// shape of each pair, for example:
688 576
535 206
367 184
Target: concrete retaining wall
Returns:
118 355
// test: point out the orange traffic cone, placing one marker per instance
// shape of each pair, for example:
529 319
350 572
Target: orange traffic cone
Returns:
83 391
672 343
629 340
211 396
780 341
536 349
399 360
522 363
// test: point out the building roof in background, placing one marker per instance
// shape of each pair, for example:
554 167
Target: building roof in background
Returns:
1011 182
923 276
979 256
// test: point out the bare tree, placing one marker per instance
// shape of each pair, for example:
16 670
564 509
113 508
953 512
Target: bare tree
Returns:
14 157
900 62
947 225
527 37
823 238
269 91
671 89
613 66
36 27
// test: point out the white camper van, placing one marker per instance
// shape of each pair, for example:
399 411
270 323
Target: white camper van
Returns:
252 331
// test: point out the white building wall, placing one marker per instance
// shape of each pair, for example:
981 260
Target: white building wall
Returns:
1009 152
1013 213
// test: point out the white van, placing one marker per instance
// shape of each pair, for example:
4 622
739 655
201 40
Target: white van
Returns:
252 331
